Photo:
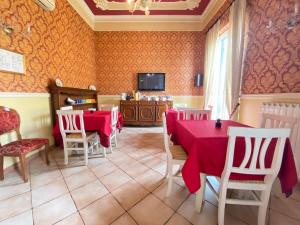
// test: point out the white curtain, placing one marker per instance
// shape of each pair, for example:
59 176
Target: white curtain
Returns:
210 55
235 55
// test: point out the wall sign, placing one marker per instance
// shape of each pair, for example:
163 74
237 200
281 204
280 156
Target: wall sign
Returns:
12 62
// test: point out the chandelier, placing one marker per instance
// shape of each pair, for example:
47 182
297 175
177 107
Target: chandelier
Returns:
143 5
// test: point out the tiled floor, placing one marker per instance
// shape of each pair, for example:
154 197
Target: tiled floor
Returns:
127 188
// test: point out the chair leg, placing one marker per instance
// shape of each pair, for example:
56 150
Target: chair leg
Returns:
110 144
86 153
262 210
1 167
47 154
23 162
222 204
200 193
116 143
170 178
66 154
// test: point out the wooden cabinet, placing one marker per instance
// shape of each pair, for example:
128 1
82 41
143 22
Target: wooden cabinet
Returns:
143 113
60 94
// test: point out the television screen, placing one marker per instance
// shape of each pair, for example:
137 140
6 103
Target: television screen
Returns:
151 81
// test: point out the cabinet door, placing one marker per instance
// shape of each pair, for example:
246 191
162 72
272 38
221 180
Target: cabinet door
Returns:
147 113
160 109
129 113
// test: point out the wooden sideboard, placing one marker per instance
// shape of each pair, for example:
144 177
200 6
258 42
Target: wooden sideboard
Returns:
60 94
143 113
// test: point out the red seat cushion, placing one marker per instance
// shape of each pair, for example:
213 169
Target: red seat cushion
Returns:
23 146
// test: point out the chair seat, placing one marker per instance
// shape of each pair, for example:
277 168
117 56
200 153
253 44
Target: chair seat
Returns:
79 135
178 152
23 146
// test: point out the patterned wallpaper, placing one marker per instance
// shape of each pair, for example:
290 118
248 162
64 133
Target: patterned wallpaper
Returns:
272 62
121 55
61 46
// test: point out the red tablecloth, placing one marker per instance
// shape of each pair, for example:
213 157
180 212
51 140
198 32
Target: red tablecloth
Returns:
99 121
206 147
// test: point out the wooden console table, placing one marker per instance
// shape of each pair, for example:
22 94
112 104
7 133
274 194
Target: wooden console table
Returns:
143 113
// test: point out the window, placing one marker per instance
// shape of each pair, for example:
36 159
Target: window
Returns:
219 109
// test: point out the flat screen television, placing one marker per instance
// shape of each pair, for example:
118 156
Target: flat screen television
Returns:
151 81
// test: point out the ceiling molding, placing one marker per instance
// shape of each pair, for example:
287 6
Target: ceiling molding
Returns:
146 23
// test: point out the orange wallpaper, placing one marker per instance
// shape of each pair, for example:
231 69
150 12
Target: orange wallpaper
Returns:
121 55
272 63
61 46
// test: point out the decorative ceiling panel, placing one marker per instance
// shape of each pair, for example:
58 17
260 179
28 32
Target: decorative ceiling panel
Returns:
163 7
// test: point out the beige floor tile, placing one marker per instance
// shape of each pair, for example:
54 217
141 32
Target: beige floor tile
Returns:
44 178
137 155
177 196
136 169
127 163
97 161
21 219
74 219
160 168
150 179
125 219
104 169
15 205
152 161
48 192
70 170
89 193
9 191
115 179
129 194
177 219
207 216
102 212
286 206
79 179
247 214
12 178
151 211
54 211
277 218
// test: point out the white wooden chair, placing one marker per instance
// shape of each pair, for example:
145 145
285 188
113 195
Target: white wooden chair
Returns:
180 105
114 121
175 156
73 136
69 107
105 107
196 114
269 120
252 163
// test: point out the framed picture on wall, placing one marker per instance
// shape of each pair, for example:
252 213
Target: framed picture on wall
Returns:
12 62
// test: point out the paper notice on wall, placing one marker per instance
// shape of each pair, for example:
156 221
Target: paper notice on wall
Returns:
11 62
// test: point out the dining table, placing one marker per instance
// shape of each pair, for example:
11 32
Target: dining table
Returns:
99 121
206 148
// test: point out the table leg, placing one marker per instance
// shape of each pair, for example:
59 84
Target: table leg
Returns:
200 193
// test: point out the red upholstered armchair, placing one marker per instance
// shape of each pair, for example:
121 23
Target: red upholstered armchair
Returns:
10 122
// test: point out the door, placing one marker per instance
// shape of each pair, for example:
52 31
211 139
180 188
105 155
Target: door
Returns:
129 112
146 113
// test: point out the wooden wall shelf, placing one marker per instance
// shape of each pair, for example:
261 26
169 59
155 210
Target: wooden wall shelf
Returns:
60 94
143 113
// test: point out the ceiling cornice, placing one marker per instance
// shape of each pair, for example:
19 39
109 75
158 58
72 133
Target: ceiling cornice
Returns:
146 23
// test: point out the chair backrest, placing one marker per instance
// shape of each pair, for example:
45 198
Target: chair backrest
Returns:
9 121
166 136
269 120
180 105
195 114
257 141
70 122
105 107
114 116
69 107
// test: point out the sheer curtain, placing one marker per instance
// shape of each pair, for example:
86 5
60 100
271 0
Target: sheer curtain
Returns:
209 65
235 55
